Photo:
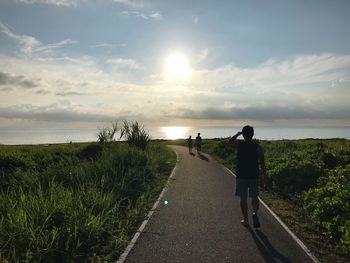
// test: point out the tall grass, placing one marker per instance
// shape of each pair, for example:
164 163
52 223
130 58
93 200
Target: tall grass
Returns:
135 134
106 134
75 202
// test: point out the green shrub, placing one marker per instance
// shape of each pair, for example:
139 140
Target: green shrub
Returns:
329 160
91 151
10 163
328 204
223 150
290 177
345 237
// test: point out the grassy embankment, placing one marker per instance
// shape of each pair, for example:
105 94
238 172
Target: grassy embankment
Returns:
308 187
76 202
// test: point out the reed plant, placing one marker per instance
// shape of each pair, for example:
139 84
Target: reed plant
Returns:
135 134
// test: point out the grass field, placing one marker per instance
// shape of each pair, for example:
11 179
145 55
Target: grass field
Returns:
308 186
76 202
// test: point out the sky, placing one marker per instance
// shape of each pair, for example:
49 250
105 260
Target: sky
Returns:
80 63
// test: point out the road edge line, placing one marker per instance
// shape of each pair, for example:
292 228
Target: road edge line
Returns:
290 232
148 217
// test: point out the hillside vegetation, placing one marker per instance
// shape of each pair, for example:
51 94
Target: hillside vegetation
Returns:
76 202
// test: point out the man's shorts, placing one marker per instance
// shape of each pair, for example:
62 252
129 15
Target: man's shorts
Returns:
245 185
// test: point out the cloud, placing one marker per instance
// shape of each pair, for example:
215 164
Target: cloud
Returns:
132 3
266 113
124 63
156 16
63 111
49 47
52 114
42 92
30 45
307 74
66 3
195 19
151 16
103 45
13 80
6 89
71 93
315 87
202 55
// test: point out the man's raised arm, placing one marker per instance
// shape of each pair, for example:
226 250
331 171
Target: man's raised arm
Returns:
233 140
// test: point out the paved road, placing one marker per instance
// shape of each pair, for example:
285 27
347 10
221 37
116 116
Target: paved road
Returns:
201 222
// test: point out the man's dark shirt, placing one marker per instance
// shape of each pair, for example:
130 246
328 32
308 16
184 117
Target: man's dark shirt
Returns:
247 160
189 142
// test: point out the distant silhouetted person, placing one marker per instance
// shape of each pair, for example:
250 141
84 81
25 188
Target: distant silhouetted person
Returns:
189 143
198 143
249 156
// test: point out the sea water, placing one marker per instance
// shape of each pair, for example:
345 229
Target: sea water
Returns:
46 136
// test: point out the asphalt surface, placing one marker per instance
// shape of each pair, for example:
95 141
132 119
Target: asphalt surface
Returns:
201 222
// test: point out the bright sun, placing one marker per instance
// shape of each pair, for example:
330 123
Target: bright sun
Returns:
177 67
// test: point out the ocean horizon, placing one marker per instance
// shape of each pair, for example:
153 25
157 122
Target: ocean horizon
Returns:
51 136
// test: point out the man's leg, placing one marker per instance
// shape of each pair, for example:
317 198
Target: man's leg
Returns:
255 204
244 208
254 191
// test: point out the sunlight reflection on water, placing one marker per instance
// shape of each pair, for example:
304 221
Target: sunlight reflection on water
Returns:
175 132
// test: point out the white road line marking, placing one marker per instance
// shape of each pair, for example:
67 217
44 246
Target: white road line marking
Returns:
279 220
150 213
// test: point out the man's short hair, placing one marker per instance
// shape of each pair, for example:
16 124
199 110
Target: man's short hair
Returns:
248 132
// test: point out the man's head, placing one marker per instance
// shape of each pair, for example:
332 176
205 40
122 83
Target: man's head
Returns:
199 134
248 132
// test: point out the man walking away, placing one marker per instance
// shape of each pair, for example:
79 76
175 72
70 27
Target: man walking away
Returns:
198 143
189 143
249 156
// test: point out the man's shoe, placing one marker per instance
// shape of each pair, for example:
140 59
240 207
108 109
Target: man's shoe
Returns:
244 222
256 222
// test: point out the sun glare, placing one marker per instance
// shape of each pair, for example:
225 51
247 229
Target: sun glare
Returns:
174 132
177 67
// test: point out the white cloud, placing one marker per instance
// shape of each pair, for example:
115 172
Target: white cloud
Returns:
50 47
153 16
51 2
202 55
30 45
303 72
195 19
156 16
132 3
108 45
124 63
